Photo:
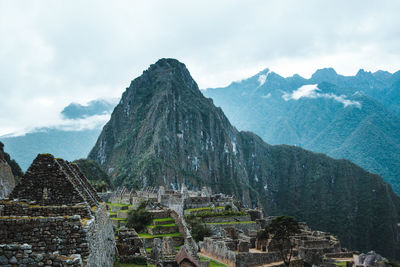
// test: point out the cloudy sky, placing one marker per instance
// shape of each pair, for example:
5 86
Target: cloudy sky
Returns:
56 52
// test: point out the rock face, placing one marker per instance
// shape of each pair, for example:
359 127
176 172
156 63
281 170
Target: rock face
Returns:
7 182
165 132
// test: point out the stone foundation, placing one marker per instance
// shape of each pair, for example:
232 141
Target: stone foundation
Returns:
22 255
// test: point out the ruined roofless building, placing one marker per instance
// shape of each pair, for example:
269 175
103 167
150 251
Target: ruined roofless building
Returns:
55 217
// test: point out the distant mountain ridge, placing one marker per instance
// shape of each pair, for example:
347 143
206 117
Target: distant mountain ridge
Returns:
352 117
165 132
65 142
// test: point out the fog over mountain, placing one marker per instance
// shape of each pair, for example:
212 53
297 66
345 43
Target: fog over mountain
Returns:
352 117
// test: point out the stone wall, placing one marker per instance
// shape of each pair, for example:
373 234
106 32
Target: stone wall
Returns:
226 219
100 239
218 249
245 227
13 208
46 235
22 255
256 259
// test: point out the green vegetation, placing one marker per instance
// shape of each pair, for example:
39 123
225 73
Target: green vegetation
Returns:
205 208
213 263
198 229
118 205
242 222
93 172
280 229
161 225
163 219
137 262
15 168
146 235
117 219
222 213
177 248
139 217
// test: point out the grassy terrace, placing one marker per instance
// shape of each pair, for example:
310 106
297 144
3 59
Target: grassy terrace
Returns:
117 219
213 263
146 235
176 248
163 219
161 225
205 208
232 222
118 205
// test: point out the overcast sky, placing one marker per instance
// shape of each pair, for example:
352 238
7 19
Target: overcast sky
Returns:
56 52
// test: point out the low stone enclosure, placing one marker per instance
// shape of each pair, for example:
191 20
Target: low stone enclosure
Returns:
54 217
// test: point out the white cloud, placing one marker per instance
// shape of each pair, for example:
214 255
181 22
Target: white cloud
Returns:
76 51
312 91
308 90
88 123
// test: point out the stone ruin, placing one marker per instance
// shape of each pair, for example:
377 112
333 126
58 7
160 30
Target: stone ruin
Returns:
237 248
54 217
129 245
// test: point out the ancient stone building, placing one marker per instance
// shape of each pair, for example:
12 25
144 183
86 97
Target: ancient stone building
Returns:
239 249
54 217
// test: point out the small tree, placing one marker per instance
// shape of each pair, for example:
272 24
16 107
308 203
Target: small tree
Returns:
139 218
280 230
199 230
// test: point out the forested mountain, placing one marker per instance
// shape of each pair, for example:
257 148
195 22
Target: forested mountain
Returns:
351 117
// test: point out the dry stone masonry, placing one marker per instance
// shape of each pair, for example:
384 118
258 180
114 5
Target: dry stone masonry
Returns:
53 217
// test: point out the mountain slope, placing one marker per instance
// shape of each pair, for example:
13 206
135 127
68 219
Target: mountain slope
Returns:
70 145
7 181
164 132
328 113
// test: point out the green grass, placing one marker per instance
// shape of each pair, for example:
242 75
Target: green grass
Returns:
119 264
163 219
162 225
232 222
341 263
213 263
205 208
117 219
128 265
146 235
176 248
112 213
118 204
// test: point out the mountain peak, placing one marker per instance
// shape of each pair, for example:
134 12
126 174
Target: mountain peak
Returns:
167 68
362 74
324 74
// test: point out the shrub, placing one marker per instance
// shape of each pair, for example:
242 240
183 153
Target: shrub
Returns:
199 230
139 218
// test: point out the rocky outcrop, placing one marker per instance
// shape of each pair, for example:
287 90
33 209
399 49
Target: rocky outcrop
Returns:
7 182
165 132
